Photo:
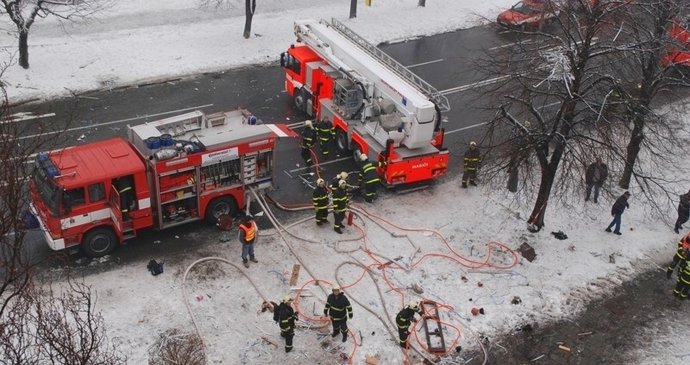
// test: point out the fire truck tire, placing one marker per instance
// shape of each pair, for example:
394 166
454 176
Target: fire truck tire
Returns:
219 207
99 242
341 142
356 152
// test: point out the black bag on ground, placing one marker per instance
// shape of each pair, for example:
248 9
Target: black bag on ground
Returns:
560 235
155 267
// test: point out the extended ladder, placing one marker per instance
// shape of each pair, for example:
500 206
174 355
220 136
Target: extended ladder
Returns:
432 327
439 99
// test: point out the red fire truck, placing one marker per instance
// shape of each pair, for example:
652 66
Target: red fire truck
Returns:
377 106
166 173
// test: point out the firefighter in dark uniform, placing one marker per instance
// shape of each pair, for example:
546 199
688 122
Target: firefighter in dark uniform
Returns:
403 319
326 134
285 316
471 162
308 141
320 200
125 187
341 176
340 201
680 261
368 178
339 309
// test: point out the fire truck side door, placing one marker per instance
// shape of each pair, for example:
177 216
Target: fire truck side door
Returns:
115 210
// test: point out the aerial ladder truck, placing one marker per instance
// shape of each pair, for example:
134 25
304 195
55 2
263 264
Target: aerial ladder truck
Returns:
378 107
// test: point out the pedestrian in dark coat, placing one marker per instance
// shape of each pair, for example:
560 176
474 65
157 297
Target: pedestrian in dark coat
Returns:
403 319
320 200
595 176
338 308
285 316
617 211
340 201
308 141
683 211
471 162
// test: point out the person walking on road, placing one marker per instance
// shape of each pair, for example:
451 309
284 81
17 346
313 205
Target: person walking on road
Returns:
471 162
308 141
286 316
595 176
320 200
248 233
617 211
403 319
338 308
340 201
683 211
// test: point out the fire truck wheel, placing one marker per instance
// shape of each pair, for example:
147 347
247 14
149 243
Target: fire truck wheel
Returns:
341 142
99 242
220 206
356 152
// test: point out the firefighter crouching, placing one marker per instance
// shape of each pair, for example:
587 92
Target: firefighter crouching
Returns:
285 316
339 309
368 178
403 319
320 200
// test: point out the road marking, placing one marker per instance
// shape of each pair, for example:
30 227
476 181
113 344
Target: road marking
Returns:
458 89
466 128
526 41
22 116
116 121
425 63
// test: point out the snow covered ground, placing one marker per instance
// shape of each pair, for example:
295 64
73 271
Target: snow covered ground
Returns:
457 245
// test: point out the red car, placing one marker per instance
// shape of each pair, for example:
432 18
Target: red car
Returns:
679 54
528 14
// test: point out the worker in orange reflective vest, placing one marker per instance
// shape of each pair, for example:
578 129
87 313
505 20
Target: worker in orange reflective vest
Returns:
248 234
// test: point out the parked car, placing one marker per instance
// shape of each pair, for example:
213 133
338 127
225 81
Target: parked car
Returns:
528 14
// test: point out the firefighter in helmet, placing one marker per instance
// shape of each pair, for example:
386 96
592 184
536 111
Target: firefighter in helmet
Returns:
338 308
286 316
341 176
308 141
680 260
340 201
320 200
471 162
125 187
368 178
403 319
326 134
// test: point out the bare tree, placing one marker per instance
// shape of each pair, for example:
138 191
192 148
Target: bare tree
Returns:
641 70
23 13
553 93
249 9
37 325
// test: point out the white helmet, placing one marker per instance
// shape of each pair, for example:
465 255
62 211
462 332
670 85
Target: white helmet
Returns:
413 304
342 183
320 182
343 175
363 157
307 123
336 287
473 144
287 299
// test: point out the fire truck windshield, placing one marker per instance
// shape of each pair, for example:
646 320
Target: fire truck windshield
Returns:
47 190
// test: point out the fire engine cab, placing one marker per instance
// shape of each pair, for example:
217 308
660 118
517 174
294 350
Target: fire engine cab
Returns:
168 172
377 106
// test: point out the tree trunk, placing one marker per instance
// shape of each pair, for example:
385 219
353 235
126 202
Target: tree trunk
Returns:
536 219
513 175
632 151
249 8
24 48
353 9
